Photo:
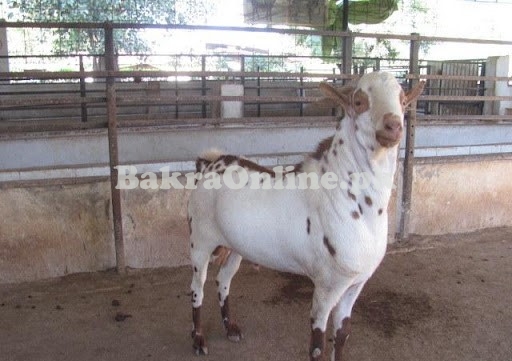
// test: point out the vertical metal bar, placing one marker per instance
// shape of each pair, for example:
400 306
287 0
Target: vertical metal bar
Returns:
344 20
301 90
258 82
333 110
83 93
203 84
176 92
409 145
346 41
242 68
113 149
346 65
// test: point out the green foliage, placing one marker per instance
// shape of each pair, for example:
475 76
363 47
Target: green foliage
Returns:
91 41
360 12
265 64
409 17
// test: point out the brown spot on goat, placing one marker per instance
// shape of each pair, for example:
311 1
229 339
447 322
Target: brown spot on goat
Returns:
201 164
340 338
251 166
197 333
228 159
361 102
323 146
368 201
380 211
351 195
329 246
355 214
221 255
317 344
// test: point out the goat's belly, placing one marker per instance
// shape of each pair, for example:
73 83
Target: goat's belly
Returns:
265 227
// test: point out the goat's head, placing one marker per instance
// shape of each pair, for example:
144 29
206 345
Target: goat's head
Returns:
378 102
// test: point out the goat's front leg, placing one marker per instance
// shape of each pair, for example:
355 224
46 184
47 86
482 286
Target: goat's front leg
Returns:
224 277
341 319
323 303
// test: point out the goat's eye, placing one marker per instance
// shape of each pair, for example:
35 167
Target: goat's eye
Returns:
357 103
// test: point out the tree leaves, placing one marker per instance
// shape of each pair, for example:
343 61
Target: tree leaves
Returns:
91 41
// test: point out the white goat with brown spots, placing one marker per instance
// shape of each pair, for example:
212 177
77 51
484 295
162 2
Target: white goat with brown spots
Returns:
337 237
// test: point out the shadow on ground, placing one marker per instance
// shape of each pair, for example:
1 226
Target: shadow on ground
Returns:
435 298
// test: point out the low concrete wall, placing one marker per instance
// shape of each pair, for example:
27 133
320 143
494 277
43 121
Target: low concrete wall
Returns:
52 231
461 195
155 227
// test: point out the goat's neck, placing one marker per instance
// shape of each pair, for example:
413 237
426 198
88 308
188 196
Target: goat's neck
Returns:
354 153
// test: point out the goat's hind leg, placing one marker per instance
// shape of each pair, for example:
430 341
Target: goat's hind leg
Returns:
224 277
200 262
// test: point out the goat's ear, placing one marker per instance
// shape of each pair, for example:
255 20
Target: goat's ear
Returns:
414 93
325 103
340 96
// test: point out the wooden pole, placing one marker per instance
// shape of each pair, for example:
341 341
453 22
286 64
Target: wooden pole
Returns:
409 146
113 150
346 64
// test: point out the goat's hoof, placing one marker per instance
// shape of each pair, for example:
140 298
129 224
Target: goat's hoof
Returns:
234 333
316 355
201 351
199 345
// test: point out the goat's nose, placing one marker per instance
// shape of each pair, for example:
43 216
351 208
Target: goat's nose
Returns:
393 125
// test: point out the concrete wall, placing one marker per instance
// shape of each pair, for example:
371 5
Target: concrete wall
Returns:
461 195
56 230
460 184
52 231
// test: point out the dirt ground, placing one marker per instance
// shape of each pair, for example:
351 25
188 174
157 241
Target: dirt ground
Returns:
434 298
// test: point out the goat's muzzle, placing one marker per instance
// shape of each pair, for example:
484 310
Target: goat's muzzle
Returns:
392 131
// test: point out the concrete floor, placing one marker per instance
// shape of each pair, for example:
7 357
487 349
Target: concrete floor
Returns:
436 298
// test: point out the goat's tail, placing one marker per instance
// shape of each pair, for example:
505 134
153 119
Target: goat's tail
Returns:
206 158
211 155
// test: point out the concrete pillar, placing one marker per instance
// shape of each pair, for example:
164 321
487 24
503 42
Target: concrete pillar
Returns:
232 109
4 50
490 106
503 68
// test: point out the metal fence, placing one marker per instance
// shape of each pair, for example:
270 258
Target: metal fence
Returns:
187 86
114 96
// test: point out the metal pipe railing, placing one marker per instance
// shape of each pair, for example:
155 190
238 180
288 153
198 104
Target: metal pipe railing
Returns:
114 99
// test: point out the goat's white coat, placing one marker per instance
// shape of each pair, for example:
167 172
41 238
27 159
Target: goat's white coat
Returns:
269 226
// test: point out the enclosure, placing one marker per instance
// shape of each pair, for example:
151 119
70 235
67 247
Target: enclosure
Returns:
64 132
88 270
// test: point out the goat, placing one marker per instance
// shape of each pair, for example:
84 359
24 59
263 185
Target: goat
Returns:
337 237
